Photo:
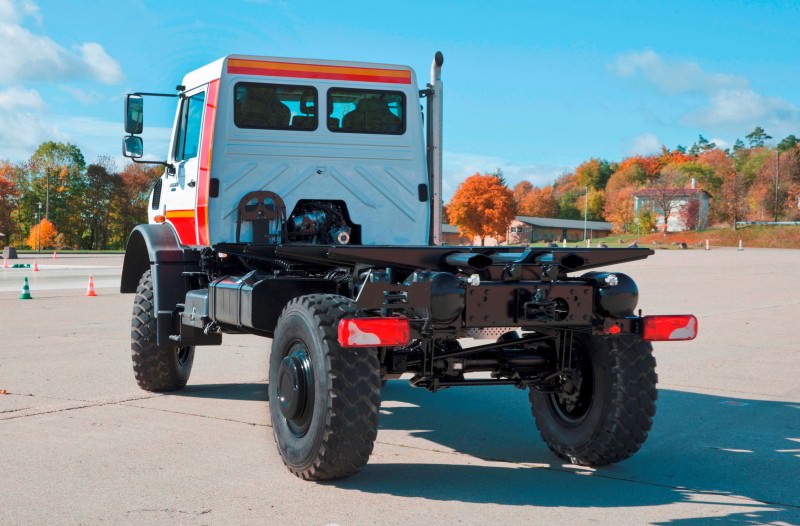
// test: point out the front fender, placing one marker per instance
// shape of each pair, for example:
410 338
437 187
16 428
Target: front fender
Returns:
156 247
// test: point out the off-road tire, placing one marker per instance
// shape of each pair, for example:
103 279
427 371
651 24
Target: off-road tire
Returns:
619 411
156 367
326 430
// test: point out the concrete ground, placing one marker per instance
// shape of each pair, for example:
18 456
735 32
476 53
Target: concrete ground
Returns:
81 444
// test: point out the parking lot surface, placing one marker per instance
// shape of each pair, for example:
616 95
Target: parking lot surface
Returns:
81 444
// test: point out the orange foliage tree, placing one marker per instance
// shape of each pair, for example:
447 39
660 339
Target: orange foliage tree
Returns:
539 202
42 235
482 206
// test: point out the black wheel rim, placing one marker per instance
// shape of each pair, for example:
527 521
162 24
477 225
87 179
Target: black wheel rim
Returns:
572 399
296 389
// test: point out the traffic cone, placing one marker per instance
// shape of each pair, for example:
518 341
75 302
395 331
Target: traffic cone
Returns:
55 255
90 289
5 262
26 291
36 266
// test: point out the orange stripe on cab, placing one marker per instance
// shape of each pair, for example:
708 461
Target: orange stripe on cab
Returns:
318 71
173 214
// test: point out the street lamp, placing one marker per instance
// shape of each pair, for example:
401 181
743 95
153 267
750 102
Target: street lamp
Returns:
777 174
585 212
39 230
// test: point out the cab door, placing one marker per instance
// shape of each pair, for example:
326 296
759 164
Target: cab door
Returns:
181 191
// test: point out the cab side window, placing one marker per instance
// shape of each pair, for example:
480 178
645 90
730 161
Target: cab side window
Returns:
366 111
191 121
275 106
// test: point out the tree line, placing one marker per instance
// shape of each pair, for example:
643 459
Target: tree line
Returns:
750 181
54 200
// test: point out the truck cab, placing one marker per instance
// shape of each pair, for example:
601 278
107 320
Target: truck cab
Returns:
340 143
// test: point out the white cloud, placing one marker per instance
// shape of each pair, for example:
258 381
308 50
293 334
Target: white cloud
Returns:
745 107
459 166
17 97
672 78
28 56
82 96
729 104
721 143
22 126
13 12
645 144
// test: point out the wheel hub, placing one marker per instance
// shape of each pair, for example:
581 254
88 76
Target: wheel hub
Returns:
296 389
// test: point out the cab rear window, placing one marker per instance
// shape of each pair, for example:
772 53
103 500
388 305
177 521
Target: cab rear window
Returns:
275 106
366 111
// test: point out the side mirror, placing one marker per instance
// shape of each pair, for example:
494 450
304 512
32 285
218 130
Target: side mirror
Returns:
134 114
132 147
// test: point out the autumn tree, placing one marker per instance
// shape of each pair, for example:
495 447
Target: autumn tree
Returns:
618 210
593 173
539 202
664 196
520 192
42 235
482 206
129 202
9 198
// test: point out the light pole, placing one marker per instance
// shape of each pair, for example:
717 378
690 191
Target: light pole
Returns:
777 174
585 212
39 230
47 196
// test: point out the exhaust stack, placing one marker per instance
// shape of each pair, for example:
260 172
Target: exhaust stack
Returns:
434 137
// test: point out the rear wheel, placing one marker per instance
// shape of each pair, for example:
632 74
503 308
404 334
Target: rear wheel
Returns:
156 367
603 405
323 400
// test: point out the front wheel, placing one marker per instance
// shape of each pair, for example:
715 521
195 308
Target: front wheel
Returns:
603 405
157 367
323 399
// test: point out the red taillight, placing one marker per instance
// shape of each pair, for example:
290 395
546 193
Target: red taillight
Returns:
669 327
374 332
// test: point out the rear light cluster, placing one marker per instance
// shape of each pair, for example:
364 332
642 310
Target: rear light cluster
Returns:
669 327
374 332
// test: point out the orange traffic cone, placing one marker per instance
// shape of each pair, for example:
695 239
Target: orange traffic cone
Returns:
36 266
90 289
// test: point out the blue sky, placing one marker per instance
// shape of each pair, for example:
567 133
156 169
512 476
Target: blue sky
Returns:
534 88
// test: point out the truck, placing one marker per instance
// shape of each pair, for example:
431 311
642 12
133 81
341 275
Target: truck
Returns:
301 201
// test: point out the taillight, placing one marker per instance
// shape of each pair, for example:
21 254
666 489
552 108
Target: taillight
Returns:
669 327
374 332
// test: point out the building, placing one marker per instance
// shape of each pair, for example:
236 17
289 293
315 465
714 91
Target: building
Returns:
451 236
688 207
524 229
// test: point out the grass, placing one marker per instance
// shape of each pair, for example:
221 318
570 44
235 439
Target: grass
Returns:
751 237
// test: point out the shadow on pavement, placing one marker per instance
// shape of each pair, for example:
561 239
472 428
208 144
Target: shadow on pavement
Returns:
701 447
256 392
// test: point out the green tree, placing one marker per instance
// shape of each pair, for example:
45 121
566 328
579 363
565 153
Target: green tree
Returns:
787 143
594 173
757 137
55 174
101 185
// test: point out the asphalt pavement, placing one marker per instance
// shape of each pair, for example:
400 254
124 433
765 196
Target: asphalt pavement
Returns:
81 444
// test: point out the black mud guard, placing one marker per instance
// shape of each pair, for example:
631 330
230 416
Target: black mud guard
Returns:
157 247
